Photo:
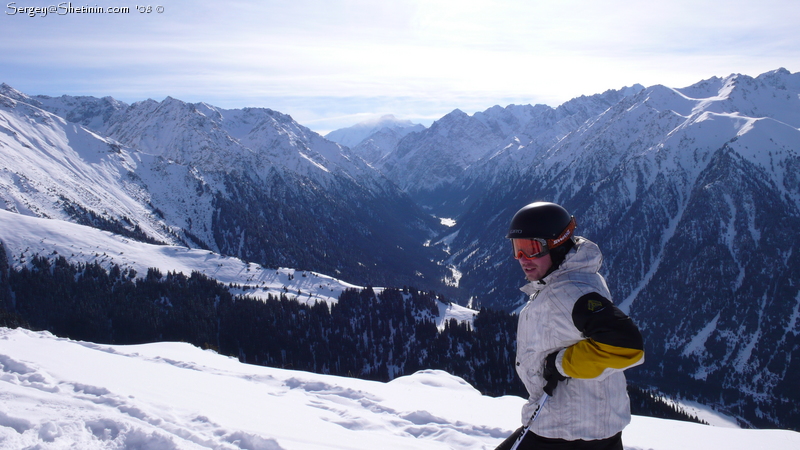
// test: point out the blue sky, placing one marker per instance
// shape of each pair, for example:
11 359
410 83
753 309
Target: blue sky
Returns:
334 63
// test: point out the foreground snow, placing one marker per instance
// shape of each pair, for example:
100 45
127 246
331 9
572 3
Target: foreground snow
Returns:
62 394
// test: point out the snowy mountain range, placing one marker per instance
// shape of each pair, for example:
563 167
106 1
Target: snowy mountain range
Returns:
434 165
692 193
248 183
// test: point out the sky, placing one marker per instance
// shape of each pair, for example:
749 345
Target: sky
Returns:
334 63
58 393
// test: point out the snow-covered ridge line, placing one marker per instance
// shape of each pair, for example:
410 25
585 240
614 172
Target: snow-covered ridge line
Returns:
25 237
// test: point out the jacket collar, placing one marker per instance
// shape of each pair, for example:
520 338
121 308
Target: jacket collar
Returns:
584 257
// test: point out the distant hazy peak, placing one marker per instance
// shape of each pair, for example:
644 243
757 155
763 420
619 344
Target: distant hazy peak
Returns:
354 135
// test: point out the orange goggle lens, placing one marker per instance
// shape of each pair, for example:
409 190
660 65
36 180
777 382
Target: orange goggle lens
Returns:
529 248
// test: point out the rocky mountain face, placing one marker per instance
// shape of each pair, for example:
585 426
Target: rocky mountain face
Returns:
250 183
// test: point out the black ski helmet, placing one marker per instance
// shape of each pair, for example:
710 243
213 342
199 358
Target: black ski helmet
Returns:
543 220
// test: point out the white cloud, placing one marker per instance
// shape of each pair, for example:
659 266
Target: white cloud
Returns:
436 54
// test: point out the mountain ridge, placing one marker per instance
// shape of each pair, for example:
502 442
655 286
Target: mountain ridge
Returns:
354 135
196 184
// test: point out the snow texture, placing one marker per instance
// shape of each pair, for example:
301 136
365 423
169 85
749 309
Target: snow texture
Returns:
59 394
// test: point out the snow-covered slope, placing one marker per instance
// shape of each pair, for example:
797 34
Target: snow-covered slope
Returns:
59 393
56 169
25 237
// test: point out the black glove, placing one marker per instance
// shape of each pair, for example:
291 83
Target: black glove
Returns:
551 374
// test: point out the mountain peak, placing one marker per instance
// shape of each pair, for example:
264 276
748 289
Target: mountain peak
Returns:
781 79
358 133
16 95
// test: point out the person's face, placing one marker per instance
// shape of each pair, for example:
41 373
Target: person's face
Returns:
535 268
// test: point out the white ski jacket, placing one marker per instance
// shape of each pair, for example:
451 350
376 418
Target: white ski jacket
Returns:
570 312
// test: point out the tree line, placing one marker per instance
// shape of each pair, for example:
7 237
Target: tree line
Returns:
366 334
377 336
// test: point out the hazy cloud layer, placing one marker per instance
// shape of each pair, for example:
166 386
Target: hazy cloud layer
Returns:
331 63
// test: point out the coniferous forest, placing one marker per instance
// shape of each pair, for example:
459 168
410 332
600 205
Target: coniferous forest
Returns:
369 335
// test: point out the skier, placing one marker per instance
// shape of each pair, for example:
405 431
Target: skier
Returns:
572 342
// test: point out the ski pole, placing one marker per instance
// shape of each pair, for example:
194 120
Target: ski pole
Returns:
527 426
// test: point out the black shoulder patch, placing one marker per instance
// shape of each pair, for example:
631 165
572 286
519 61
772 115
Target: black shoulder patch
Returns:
599 319
587 306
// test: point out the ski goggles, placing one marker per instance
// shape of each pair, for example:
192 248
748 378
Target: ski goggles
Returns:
529 248
537 247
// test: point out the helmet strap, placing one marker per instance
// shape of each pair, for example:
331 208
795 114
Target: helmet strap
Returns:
564 236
